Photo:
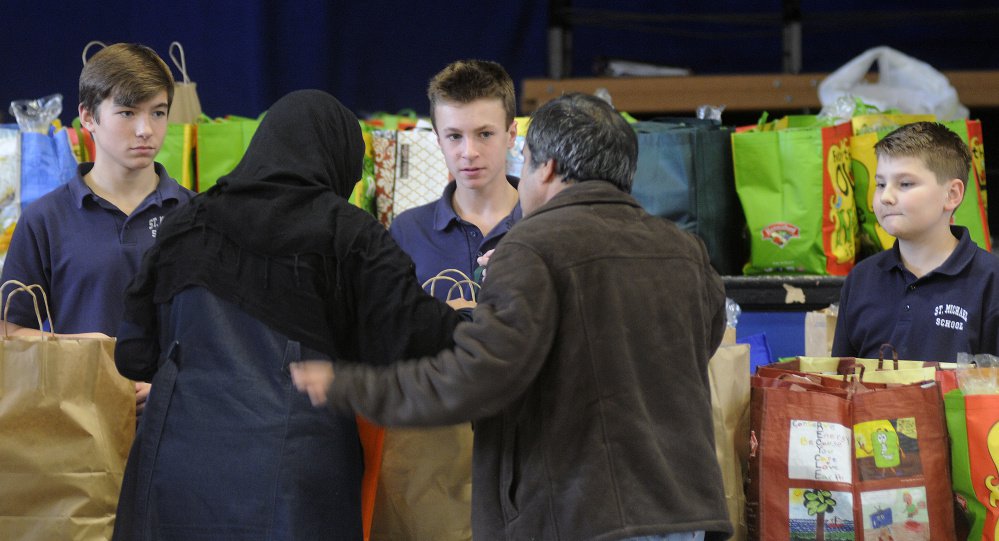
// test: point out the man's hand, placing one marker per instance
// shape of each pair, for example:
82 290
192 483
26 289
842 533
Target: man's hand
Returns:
141 394
313 378
483 262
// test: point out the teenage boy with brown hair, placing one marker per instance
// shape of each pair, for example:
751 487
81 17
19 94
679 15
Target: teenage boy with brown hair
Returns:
472 108
83 241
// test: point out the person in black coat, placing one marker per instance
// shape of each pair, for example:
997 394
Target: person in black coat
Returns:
270 266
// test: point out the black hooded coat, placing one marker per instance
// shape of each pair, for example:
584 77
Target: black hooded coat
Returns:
270 266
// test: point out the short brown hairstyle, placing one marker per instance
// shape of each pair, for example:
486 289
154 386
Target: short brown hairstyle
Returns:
941 150
465 81
129 73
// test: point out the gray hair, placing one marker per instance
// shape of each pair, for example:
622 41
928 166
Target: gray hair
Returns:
586 137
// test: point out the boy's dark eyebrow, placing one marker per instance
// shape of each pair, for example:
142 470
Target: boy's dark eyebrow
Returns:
484 127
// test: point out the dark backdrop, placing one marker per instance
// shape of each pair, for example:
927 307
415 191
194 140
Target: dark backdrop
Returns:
377 55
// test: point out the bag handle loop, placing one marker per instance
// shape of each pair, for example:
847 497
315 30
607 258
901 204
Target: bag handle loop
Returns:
87 47
27 289
182 63
881 356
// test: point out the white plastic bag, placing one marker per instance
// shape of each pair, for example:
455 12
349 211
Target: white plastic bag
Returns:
904 83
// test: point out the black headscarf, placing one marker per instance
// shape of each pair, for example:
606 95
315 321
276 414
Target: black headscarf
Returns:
272 235
307 151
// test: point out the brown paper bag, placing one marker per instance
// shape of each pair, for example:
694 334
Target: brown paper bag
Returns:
186 107
425 485
425 482
67 420
820 326
728 372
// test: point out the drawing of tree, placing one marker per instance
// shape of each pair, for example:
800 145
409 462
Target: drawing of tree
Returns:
817 503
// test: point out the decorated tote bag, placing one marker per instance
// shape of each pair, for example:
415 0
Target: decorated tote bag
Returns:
973 425
383 148
845 460
795 185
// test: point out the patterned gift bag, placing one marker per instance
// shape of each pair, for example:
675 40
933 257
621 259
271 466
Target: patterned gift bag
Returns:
420 171
383 144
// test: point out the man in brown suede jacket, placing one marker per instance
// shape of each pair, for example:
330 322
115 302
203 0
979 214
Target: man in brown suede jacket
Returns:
585 368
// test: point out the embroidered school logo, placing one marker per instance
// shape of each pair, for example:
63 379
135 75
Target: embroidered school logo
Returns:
154 225
780 233
950 316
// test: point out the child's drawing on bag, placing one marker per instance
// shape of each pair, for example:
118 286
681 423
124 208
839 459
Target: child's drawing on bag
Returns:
887 448
819 451
895 514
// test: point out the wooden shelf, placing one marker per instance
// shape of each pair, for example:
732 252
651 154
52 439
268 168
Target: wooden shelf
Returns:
735 92
783 293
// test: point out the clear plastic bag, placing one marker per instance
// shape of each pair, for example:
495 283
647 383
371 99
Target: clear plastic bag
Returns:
978 374
38 114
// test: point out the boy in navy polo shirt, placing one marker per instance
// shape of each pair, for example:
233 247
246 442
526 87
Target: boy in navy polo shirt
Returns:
935 293
472 108
83 241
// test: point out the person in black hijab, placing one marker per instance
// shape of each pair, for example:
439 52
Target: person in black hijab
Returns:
270 266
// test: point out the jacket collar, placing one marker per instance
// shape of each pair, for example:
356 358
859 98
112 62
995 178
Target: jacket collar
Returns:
587 192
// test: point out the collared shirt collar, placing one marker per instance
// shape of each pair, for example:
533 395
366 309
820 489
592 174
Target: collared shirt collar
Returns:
960 258
166 188
444 213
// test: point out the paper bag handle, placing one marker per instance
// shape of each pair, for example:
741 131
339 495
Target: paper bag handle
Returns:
443 275
88 46
881 356
182 63
27 289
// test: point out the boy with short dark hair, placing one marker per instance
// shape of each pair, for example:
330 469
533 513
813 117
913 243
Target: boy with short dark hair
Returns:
83 241
935 293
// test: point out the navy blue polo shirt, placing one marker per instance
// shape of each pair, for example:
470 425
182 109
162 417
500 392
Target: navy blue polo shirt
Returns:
436 238
953 309
84 251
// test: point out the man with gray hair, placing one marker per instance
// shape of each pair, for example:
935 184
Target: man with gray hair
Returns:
585 368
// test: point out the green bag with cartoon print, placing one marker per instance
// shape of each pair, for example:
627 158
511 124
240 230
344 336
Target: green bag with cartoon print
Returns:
795 185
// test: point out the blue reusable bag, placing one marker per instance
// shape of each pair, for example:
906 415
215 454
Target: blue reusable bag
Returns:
47 161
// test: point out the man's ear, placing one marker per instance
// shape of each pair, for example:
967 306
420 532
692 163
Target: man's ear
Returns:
546 172
955 193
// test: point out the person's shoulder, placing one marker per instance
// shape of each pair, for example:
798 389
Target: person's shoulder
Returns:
53 203
417 215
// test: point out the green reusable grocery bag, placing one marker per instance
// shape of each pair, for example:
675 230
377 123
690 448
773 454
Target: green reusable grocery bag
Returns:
177 154
795 185
220 145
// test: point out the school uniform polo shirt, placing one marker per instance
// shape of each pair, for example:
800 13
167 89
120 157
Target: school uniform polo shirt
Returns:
954 308
84 251
436 238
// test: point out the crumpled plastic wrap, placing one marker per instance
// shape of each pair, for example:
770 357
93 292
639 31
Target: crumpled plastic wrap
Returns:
38 114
